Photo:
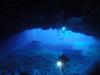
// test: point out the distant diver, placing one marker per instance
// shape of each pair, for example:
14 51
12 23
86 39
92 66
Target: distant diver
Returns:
64 59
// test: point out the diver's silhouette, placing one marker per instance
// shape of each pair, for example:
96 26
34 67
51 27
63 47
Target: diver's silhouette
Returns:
64 59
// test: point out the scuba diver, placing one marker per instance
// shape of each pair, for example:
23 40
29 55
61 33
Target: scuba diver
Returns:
63 58
63 63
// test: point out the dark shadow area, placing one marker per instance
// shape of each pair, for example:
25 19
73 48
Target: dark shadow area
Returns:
95 70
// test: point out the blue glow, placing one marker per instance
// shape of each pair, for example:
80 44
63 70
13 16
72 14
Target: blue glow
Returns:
63 28
59 63
52 43
78 41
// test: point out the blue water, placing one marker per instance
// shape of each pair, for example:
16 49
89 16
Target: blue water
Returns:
37 50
